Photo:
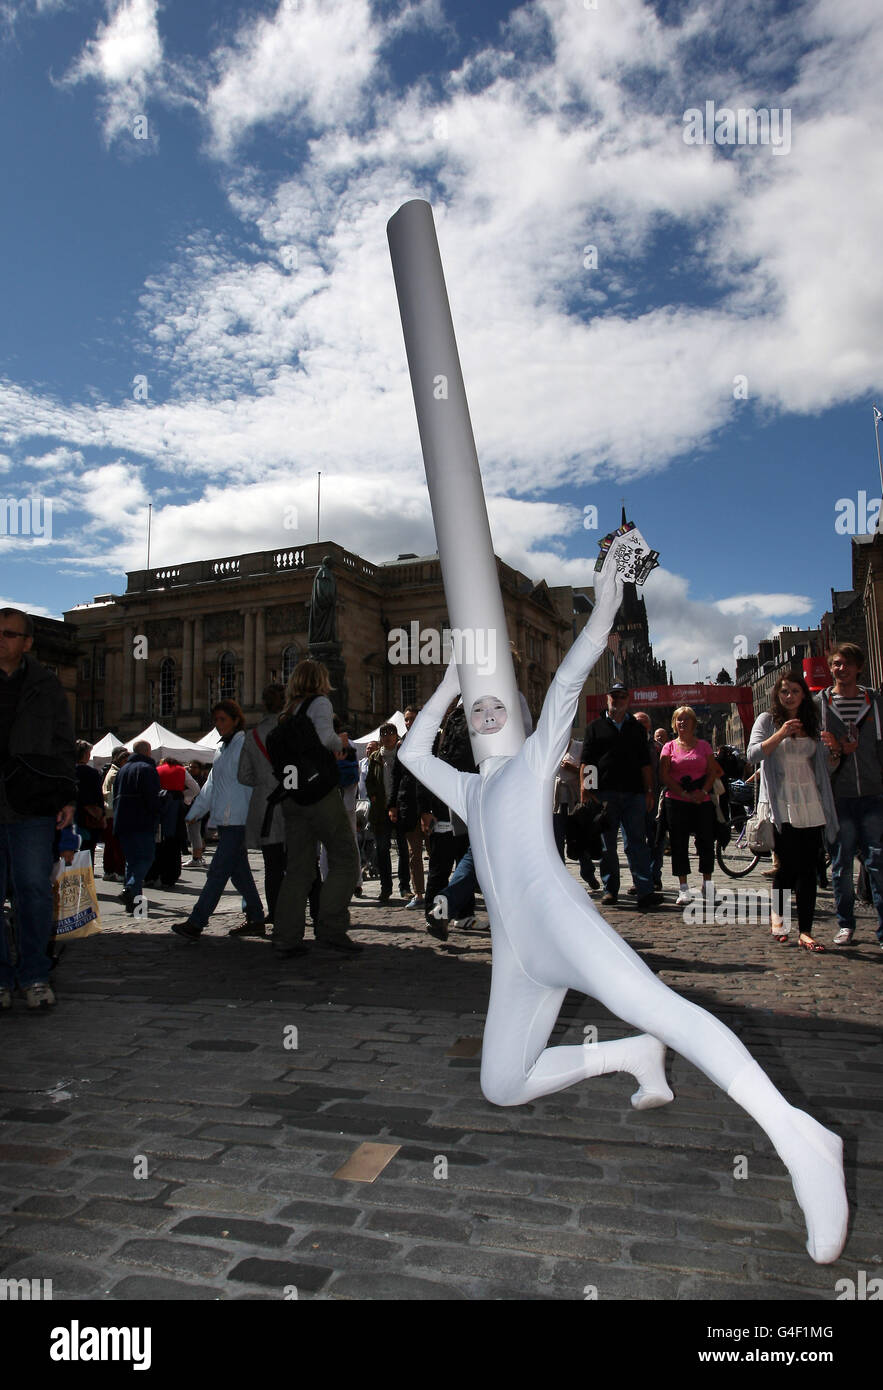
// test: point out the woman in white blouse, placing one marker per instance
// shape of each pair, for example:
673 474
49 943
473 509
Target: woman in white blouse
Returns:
796 783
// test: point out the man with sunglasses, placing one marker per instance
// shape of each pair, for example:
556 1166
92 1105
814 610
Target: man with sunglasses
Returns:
616 753
37 764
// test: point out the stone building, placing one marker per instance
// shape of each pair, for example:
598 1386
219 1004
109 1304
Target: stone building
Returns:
184 636
55 645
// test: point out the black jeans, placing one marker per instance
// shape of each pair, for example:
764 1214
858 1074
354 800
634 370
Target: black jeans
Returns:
383 837
798 851
686 818
274 872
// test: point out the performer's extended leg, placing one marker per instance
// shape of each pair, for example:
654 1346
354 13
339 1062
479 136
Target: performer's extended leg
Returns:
593 958
516 1064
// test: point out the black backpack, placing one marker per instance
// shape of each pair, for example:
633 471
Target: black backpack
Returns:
304 768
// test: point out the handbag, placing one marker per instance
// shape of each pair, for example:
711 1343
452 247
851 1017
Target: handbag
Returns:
74 899
759 827
92 817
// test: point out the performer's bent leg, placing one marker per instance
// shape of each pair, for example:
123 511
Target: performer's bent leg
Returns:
516 1064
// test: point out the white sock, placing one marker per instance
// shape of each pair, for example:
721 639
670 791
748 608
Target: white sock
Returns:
644 1058
812 1154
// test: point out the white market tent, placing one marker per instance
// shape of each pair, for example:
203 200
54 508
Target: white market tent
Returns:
102 751
360 744
210 740
163 743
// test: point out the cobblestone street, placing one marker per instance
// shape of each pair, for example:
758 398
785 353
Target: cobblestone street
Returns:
172 1129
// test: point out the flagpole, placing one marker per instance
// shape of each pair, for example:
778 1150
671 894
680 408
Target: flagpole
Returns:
878 416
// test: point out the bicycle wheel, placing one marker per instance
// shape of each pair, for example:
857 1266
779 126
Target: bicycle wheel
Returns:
736 858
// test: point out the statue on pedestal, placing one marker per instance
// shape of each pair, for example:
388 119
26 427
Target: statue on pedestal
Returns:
323 602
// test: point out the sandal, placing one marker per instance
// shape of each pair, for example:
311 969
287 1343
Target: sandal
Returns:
809 943
779 931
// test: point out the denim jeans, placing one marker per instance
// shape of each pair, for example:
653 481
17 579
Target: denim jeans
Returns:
460 892
25 874
861 827
627 809
139 847
230 861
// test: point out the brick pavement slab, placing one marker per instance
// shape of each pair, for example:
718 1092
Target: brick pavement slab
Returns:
195 1197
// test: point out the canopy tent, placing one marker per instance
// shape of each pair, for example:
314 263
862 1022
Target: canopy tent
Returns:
102 751
360 744
210 740
165 744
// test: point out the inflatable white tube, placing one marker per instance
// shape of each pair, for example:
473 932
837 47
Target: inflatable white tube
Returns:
472 587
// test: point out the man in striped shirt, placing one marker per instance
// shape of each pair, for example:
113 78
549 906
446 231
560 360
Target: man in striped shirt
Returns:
852 727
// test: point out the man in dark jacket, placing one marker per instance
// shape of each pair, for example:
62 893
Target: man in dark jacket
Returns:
37 762
378 782
405 816
616 754
852 729
449 838
136 808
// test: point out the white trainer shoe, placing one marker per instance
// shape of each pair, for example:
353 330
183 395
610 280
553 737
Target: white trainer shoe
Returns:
39 996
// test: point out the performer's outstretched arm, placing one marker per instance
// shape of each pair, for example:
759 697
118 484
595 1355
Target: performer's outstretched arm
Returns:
443 781
547 745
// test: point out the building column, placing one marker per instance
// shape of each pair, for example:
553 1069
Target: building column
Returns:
128 673
260 653
141 686
248 661
198 664
187 666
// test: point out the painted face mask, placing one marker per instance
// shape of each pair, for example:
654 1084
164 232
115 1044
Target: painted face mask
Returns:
488 715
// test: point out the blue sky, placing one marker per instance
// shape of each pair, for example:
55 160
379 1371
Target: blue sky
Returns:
196 197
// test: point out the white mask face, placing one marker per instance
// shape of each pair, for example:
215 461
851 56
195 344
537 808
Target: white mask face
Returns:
488 715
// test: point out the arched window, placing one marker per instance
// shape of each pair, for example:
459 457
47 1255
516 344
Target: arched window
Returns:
290 658
167 686
227 677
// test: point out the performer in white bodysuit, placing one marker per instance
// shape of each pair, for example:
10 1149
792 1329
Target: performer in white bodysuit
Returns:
548 937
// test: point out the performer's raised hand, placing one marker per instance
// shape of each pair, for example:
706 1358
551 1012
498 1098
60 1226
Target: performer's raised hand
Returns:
608 596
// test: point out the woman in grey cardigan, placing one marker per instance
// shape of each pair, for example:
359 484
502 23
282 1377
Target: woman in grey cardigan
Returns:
796 783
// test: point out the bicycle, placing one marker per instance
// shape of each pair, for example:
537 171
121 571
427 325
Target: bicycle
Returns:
736 857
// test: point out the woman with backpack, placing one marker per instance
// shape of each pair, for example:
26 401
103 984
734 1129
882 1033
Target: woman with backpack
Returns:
227 801
305 751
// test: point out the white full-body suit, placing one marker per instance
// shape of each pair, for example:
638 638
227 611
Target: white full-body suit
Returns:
549 937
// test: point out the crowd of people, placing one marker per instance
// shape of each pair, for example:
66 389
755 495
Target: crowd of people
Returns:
293 787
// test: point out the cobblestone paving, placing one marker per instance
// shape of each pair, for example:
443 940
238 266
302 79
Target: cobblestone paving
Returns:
172 1129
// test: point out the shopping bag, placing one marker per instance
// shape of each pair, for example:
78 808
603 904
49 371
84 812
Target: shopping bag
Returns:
74 900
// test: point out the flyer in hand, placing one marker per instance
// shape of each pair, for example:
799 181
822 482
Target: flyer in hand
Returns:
631 554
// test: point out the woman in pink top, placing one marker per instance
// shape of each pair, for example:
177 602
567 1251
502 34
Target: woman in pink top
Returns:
687 769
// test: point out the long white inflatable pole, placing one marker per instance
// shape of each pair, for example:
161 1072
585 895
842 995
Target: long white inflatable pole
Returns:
472 588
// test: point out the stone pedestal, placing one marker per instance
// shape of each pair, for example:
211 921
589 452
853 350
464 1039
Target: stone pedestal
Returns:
329 653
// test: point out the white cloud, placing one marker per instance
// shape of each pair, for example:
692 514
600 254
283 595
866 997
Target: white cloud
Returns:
124 58
25 606
313 57
759 606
